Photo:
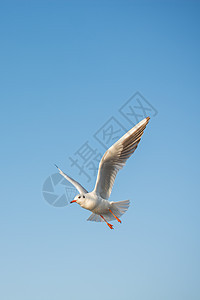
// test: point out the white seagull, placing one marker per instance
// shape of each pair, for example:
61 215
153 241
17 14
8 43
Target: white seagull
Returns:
112 161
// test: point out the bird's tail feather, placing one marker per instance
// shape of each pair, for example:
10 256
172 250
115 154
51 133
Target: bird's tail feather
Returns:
118 209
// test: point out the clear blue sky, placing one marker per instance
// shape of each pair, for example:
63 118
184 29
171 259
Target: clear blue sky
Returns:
66 67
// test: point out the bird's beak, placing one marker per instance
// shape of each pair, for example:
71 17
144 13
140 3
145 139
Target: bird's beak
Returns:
73 201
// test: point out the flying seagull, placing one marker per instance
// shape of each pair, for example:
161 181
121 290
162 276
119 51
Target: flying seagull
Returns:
112 161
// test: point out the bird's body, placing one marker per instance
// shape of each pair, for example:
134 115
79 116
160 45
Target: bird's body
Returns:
94 203
112 161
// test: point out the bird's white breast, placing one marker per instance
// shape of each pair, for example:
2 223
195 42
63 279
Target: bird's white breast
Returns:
95 203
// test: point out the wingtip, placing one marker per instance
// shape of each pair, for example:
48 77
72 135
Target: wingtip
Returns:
56 166
148 118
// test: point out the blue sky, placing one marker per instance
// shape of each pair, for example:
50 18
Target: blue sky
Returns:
66 68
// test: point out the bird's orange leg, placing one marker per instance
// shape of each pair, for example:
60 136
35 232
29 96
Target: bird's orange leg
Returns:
115 216
110 225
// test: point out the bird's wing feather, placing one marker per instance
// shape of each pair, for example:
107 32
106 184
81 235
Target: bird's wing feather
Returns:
77 185
95 218
115 158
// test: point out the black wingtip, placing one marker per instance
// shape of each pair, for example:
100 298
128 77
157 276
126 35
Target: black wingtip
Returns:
56 166
148 118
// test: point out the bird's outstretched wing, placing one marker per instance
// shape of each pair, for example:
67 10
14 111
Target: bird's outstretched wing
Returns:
77 185
115 158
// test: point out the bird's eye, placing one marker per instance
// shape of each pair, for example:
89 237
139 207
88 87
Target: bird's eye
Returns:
79 197
83 196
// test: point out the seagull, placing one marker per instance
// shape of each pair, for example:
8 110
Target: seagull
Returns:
112 161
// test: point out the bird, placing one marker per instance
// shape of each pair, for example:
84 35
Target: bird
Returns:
112 161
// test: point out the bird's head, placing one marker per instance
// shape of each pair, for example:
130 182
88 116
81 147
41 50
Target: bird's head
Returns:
80 199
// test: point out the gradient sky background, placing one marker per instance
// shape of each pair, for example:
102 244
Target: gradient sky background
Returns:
66 68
